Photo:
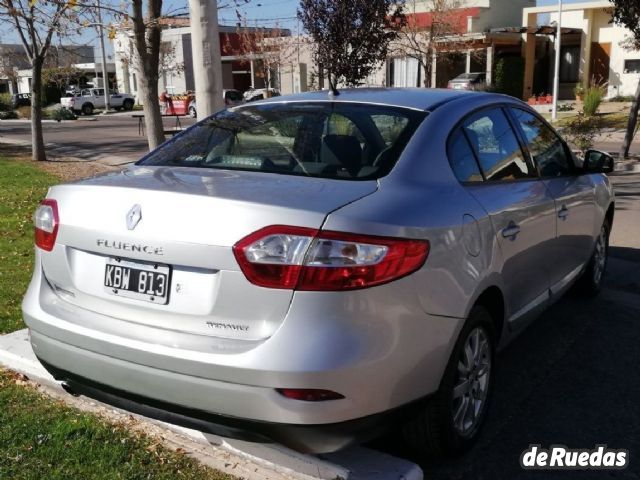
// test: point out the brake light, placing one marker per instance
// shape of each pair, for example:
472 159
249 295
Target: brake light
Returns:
307 259
46 221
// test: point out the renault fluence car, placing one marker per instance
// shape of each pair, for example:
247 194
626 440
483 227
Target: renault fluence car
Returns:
312 269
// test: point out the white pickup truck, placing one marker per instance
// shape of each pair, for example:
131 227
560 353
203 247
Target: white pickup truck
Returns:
89 98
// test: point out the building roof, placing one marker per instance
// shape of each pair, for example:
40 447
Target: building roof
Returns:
566 7
414 98
537 30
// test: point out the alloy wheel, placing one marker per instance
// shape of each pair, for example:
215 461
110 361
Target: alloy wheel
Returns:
600 256
472 383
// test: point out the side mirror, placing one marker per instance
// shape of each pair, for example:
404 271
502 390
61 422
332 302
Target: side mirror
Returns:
597 162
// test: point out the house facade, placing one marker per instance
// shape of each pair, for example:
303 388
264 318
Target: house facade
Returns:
592 51
241 70
471 46
15 69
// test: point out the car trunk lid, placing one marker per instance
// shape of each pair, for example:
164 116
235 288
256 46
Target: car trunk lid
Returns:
186 221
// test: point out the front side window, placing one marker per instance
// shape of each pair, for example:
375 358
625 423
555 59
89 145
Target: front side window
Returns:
496 146
546 149
328 140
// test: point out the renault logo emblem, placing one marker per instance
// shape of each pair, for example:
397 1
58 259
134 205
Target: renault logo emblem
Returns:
134 216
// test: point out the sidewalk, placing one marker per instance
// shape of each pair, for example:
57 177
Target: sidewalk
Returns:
251 461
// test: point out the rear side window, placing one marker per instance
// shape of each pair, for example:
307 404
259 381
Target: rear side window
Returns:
327 140
496 146
546 149
462 159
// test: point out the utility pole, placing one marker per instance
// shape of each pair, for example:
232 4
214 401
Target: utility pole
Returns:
556 74
105 78
207 64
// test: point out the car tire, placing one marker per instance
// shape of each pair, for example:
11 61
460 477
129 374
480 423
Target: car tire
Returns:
87 109
127 105
593 276
192 112
445 427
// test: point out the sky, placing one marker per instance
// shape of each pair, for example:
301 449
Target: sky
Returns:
283 12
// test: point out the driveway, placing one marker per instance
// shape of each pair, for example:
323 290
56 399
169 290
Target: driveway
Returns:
572 377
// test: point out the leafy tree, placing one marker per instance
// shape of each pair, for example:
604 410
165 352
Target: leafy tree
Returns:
270 48
627 14
438 34
36 23
146 19
351 38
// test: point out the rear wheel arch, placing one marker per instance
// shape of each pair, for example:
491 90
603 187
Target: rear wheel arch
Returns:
493 300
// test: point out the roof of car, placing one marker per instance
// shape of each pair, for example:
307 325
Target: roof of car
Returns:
415 98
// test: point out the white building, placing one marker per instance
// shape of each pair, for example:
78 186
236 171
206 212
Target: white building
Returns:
240 70
591 51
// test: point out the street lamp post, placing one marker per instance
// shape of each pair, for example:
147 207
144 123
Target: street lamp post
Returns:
105 79
556 74
207 66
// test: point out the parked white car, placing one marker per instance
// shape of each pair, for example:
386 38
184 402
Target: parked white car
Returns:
89 99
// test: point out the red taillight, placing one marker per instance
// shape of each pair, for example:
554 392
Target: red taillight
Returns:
449 85
309 394
46 221
306 259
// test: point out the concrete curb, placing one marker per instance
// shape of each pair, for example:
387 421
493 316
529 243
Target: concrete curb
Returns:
252 461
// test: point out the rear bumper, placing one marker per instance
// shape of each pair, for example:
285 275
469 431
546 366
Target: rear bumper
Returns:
304 438
380 355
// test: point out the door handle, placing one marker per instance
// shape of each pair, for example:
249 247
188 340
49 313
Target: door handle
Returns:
511 231
563 213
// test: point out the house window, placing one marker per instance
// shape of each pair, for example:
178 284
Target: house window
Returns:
632 66
405 72
569 64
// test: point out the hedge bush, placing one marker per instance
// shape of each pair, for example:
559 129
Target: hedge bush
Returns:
508 76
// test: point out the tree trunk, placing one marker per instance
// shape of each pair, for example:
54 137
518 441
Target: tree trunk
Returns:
37 139
426 68
631 126
152 115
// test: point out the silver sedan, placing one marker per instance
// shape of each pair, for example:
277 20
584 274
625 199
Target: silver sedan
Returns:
313 269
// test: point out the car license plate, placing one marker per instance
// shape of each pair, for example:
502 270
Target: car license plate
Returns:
138 280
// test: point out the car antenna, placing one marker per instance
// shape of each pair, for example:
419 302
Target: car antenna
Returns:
333 91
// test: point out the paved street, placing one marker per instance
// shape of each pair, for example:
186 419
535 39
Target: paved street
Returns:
572 377
114 136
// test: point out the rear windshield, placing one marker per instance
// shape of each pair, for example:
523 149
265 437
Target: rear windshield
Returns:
328 140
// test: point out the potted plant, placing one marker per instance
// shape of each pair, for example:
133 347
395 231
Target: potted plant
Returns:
579 91
532 100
